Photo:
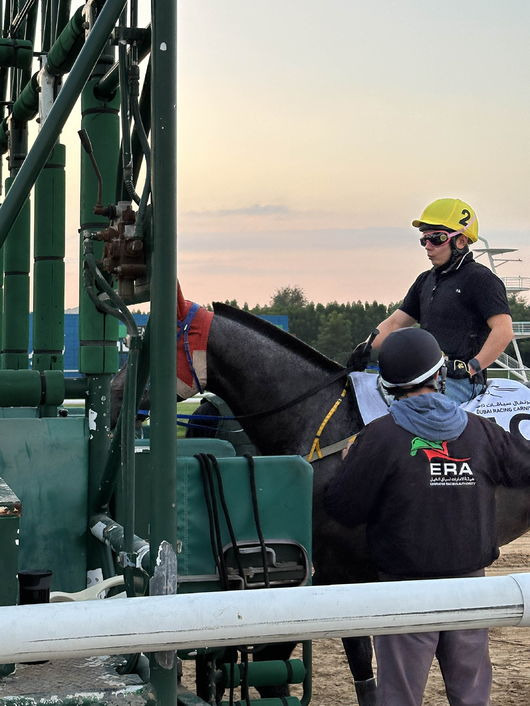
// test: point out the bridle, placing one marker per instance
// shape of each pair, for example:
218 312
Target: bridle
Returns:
183 328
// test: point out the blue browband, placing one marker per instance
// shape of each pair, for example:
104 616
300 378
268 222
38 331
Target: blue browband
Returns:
183 327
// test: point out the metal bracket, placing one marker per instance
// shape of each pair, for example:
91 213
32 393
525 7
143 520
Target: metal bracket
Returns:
47 85
126 559
164 583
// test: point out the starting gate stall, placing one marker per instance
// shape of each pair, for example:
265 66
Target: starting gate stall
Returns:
85 511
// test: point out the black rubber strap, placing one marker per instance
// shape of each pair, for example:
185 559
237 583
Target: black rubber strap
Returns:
213 520
215 466
257 521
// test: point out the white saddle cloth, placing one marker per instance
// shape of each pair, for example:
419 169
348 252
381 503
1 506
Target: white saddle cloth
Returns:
502 400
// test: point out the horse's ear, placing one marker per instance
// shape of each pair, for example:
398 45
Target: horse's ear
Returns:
222 308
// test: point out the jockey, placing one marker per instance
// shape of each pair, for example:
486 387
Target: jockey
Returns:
461 302
423 479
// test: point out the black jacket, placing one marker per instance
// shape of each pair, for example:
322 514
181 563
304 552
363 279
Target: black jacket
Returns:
429 506
455 305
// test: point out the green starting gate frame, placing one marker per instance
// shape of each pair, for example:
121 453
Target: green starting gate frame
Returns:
60 475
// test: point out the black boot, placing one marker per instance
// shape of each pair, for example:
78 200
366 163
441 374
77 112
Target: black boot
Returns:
366 692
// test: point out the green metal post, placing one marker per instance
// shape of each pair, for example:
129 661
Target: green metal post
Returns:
27 388
46 27
3 93
29 34
109 83
15 322
1 302
48 285
60 111
110 473
98 332
63 14
163 301
58 61
48 269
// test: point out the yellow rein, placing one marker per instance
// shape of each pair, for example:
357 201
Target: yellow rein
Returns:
315 446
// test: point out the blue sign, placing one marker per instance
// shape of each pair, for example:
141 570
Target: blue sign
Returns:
71 337
280 320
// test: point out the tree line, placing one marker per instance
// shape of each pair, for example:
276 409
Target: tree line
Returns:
335 329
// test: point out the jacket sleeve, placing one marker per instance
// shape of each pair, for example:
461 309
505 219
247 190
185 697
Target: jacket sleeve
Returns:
353 492
513 455
516 469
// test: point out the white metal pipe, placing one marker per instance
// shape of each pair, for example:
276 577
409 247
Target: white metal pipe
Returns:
186 621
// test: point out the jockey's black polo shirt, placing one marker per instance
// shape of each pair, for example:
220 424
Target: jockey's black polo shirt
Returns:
454 306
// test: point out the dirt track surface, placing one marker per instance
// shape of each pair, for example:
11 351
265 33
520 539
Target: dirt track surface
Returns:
509 649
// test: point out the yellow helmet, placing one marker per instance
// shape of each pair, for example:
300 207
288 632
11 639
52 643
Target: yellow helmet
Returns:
451 213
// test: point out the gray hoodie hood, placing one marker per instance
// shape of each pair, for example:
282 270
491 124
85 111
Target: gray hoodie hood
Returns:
431 416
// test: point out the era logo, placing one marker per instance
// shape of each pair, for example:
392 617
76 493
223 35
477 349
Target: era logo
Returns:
451 473
450 469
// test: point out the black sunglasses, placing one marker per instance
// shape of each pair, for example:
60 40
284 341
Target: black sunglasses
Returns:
436 238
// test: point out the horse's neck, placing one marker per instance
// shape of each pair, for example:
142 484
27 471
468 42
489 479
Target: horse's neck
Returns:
254 374
250 371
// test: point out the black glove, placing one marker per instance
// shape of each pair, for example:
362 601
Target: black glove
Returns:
360 356
478 377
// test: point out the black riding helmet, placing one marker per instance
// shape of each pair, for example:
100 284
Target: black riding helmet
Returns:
409 357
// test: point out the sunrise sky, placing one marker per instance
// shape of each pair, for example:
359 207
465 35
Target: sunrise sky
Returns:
311 132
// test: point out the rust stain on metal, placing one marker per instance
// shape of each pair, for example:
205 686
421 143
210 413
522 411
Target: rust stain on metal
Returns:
10 504
11 510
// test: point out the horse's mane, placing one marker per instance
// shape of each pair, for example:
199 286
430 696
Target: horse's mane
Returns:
275 333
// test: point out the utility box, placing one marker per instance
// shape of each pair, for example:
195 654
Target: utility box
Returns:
10 511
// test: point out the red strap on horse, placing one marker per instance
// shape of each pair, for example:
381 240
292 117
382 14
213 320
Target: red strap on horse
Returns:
197 335
181 303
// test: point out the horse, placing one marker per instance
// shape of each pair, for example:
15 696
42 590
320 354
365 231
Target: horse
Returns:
258 369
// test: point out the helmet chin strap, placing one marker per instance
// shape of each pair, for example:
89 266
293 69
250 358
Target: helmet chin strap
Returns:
456 256
439 380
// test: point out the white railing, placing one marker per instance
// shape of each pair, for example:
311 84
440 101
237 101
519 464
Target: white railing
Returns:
518 284
521 328
187 621
514 368
507 361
